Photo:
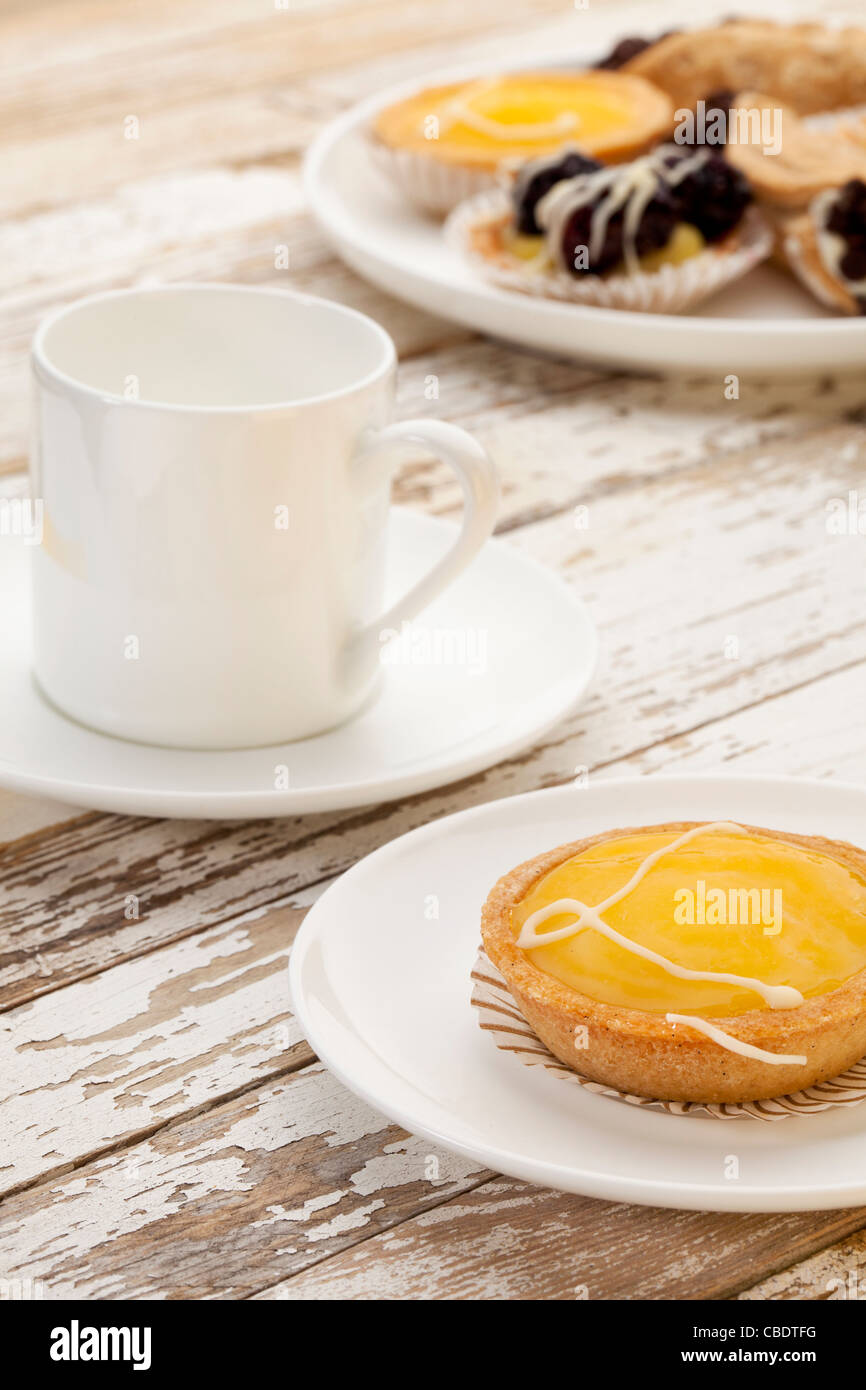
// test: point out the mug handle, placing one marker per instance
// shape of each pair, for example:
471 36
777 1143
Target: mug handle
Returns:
477 477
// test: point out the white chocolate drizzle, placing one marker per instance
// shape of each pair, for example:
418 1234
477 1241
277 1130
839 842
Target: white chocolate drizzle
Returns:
776 996
758 1054
459 111
616 187
832 247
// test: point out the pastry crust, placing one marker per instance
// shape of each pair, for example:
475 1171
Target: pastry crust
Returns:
640 1052
809 67
809 161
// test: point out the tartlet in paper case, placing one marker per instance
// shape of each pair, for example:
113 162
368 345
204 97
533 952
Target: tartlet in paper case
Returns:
443 144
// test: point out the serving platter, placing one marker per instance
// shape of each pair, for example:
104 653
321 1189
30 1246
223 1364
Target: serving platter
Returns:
765 323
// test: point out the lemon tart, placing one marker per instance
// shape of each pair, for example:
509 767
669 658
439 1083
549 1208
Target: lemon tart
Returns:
656 234
701 962
444 143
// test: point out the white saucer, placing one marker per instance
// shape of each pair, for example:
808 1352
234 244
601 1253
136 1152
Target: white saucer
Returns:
763 323
533 654
381 988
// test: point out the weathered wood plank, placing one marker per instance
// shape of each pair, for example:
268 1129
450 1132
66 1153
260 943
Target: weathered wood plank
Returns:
507 1240
165 138
231 91
839 1272
228 1202
265 1192
90 1067
285 1177
779 735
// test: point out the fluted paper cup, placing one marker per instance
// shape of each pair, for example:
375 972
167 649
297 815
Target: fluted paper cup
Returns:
501 1020
430 184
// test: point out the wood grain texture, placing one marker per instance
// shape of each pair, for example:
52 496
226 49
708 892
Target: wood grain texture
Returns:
508 1241
837 1273
226 1203
90 1067
296 1190
197 91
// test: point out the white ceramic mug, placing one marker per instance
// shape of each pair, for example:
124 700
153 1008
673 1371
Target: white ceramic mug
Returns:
214 465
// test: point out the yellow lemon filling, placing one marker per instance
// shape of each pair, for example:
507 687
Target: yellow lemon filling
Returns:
525 248
522 115
686 241
737 904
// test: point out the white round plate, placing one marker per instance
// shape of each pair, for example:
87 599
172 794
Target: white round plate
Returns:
382 993
764 323
516 650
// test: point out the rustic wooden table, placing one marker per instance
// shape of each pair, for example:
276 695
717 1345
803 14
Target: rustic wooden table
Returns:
165 1131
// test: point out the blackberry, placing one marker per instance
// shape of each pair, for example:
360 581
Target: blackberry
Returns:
623 53
721 100
713 197
655 230
529 191
848 220
627 49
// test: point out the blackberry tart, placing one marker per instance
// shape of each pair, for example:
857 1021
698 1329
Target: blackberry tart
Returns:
657 234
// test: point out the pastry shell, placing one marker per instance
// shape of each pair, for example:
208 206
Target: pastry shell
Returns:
809 67
426 183
641 1053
